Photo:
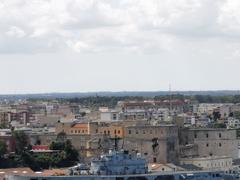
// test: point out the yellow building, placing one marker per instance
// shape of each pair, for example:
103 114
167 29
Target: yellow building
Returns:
112 131
76 128
92 128
80 129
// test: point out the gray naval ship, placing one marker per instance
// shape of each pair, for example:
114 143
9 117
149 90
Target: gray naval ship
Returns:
120 165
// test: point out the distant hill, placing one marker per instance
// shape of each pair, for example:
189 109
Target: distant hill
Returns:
116 94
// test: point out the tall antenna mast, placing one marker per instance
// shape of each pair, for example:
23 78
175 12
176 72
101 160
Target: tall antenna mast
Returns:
170 99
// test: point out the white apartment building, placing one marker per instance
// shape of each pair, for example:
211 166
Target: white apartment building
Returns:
233 123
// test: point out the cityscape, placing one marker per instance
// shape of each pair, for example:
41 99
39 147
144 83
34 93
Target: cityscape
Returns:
174 133
119 90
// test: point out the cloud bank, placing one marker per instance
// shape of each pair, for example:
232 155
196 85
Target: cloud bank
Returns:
38 26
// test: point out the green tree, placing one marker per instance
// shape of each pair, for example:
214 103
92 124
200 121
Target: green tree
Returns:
61 137
3 149
22 141
236 114
216 115
68 154
57 146
71 152
3 126
219 125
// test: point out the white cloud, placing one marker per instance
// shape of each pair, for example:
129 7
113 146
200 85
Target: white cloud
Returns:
15 32
103 25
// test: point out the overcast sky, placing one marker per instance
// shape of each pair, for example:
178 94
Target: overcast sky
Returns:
111 45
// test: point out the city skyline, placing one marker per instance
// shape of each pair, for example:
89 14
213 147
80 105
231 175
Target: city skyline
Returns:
88 46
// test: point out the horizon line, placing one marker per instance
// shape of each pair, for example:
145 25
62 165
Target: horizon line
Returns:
123 91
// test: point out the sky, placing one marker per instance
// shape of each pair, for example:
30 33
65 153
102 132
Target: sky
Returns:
127 45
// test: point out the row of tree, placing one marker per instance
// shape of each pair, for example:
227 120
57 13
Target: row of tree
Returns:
97 101
64 154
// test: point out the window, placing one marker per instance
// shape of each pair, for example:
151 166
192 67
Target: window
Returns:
96 130
195 135
114 116
108 132
79 131
129 132
118 131
220 135
136 131
104 132
150 131
76 131
143 132
206 135
207 145
220 144
115 131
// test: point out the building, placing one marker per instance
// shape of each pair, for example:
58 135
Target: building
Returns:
176 106
161 114
134 114
233 123
109 115
222 163
158 143
16 171
111 130
211 141
93 128
42 120
78 128
8 139
19 118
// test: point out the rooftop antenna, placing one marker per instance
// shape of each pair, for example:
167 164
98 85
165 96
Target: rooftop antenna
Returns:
170 99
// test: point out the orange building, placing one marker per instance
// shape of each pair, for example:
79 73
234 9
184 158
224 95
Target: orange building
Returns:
112 131
76 128
80 129
90 128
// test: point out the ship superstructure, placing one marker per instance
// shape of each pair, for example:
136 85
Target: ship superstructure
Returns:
119 162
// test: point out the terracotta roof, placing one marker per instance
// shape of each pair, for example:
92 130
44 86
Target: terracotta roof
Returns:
80 126
15 171
42 147
54 172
